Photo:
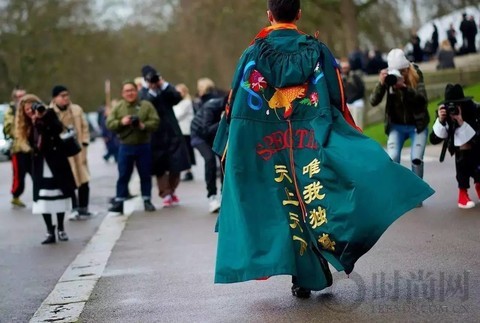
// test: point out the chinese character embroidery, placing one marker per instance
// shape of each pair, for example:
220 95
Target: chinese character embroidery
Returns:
295 221
311 192
282 171
318 217
303 243
312 168
326 243
290 201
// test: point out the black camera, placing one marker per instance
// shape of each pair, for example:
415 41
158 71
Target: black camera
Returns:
38 106
134 121
152 77
452 109
392 78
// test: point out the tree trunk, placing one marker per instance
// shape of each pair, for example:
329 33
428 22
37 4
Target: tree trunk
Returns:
348 11
415 16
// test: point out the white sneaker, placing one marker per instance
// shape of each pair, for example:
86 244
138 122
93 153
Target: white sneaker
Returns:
213 204
74 216
468 205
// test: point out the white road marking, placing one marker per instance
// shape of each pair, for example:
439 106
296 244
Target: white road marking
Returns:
67 300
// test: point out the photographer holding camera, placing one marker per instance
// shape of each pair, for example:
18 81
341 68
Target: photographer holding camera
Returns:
458 126
38 128
134 121
169 150
72 117
406 114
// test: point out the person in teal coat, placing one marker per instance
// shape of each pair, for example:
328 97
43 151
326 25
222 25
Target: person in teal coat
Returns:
303 186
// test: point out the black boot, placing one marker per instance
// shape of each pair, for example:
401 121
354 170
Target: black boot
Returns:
149 207
130 196
50 236
117 207
300 292
188 177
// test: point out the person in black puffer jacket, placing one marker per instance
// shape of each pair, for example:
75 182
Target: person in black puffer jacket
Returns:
203 130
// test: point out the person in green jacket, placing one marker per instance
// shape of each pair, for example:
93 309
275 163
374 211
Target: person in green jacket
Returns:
134 121
303 187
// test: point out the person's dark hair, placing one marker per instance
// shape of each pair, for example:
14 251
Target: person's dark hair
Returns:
284 10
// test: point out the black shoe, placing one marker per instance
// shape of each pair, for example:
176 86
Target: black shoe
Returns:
62 236
149 207
188 177
112 199
84 213
300 292
50 237
117 207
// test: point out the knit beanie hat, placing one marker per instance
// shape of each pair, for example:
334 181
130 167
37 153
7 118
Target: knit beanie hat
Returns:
396 60
57 89
147 69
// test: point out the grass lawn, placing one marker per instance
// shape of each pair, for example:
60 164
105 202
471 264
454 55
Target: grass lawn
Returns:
377 133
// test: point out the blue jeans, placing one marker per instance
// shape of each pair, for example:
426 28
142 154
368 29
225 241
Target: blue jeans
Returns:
128 156
396 139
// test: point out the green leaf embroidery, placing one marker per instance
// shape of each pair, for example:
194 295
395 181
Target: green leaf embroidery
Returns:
306 101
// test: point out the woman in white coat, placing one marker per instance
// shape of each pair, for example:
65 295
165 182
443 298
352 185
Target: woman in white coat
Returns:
184 113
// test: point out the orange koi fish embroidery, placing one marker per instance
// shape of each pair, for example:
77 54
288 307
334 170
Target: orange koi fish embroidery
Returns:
284 97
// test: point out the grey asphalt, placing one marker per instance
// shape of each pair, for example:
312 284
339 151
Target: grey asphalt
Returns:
425 268
29 270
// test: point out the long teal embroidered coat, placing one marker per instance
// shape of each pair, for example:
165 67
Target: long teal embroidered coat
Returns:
302 186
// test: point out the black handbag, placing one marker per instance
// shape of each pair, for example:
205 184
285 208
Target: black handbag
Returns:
70 142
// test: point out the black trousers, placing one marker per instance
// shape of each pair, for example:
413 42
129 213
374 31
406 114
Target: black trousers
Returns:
83 197
21 165
467 164
210 167
191 154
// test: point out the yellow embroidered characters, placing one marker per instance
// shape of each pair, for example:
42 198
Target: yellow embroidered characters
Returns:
284 97
326 243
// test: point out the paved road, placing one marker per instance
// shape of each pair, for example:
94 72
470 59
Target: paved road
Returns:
29 270
425 268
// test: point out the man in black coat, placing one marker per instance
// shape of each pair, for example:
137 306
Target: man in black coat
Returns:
169 151
203 130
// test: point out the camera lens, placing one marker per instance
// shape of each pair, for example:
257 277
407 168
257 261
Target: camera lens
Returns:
37 106
391 80
452 109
